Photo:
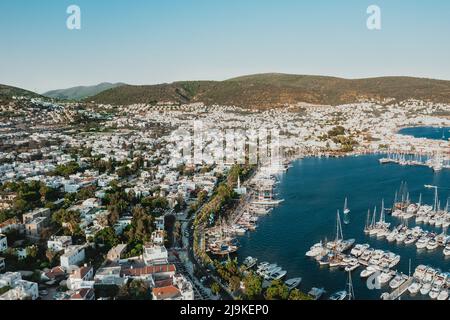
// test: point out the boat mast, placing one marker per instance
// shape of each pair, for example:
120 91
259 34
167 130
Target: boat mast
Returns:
436 199
339 235
351 292
368 219
382 211
374 216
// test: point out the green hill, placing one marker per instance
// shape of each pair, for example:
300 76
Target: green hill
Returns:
270 90
7 92
81 92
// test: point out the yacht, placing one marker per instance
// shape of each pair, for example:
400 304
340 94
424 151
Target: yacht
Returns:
400 237
277 275
422 243
315 250
432 244
368 271
434 292
263 265
426 287
354 264
443 295
359 249
316 293
420 271
414 287
250 262
386 276
447 250
397 281
410 239
392 235
293 283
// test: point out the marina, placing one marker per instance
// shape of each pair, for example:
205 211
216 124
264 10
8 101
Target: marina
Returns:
288 234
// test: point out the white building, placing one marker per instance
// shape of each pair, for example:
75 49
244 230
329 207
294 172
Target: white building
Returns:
110 276
3 243
73 255
181 289
59 243
155 254
81 278
157 237
20 289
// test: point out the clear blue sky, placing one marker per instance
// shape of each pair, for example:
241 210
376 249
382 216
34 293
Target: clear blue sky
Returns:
153 41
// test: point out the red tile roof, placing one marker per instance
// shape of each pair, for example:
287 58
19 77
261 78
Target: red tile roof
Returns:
150 270
165 292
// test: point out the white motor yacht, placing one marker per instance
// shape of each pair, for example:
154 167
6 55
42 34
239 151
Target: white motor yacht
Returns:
432 244
414 287
315 250
400 237
422 243
443 295
434 292
447 250
386 276
426 287
410 239
419 273
368 271
397 281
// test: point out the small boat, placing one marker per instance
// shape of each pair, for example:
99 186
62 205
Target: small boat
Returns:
352 266
434 292
414 287
410 239
443 295
447 250
340 295
426 287
277 275
316 293
368 271
293 283
250 262
386 276
397 281
315 250
422 243
432 244
346 213
420 271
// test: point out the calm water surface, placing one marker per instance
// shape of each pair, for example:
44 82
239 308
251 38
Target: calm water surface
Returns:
313 190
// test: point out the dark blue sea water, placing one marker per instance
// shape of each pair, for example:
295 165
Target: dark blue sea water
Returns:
427 132
313 189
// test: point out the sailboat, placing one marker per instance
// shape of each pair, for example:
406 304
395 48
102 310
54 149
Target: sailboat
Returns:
339 244
348 293
346 213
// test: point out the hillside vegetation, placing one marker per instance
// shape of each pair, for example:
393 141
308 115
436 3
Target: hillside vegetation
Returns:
271 90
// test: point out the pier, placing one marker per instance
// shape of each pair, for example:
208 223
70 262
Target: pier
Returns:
397 293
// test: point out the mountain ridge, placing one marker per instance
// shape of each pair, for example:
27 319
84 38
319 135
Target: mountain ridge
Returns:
275 89
81 92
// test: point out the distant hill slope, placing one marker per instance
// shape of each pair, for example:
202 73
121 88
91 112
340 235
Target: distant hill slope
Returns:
7 92
81 92
269 90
